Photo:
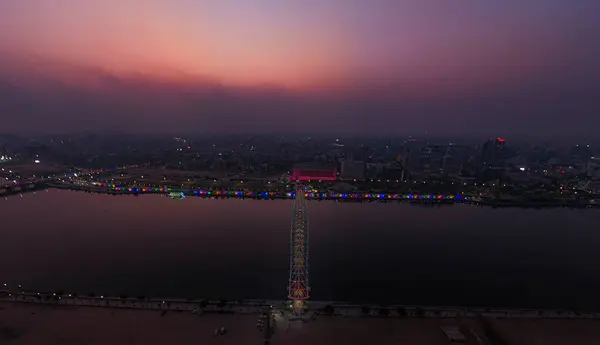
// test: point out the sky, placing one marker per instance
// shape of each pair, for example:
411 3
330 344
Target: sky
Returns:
494 67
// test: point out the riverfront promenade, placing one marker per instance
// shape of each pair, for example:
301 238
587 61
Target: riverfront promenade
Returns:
422 199
65 322
198 306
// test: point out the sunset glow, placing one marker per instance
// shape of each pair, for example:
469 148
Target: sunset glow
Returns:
324 50
245 42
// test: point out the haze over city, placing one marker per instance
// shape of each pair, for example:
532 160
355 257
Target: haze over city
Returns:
444 67
299 172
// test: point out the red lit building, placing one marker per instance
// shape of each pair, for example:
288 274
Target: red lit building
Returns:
313 172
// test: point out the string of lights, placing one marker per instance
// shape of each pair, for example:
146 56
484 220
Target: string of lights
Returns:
288 195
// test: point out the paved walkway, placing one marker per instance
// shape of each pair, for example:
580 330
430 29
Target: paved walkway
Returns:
314 307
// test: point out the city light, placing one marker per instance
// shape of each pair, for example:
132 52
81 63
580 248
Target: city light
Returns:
282 195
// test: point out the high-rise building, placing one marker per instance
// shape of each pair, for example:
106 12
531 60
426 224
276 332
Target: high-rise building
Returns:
492 153
457 156
430 160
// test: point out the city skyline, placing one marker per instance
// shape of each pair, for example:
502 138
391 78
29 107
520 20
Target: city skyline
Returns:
258 66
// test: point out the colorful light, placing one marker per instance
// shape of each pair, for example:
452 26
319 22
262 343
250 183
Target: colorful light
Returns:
313 194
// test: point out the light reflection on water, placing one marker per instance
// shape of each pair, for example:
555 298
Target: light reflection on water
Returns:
231 248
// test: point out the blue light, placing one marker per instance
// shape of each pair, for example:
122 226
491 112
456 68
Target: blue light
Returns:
293 195
458 196
344 195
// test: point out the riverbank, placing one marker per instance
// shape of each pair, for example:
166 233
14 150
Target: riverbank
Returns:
421 199
200 306
22 323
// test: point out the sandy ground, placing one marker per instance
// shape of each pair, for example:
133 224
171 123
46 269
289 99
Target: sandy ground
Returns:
69 325
372 331
48 325
549 332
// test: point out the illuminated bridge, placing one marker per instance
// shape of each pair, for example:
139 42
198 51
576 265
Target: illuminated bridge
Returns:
298 289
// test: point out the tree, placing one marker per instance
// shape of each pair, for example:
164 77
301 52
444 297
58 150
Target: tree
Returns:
402 312
419 312
384 312
203 303
328 309
222 303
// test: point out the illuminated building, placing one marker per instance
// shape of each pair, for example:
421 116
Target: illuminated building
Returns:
314 172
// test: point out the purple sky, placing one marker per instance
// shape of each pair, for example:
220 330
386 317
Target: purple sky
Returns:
495 67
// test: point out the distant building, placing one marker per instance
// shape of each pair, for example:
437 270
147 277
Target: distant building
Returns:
593 187
436 158
350 169
429 161
314 172
593 168
492 152
393 173
374 169
456 158
414 146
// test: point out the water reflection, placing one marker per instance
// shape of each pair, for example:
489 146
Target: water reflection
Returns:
379 252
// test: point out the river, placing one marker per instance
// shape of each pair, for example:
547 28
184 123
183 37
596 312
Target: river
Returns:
359 252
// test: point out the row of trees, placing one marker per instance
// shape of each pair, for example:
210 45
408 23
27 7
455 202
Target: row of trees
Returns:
382 311
203 303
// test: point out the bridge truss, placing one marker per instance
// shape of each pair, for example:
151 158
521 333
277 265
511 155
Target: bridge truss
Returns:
298 289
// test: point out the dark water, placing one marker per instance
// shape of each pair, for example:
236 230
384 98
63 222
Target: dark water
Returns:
360 252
